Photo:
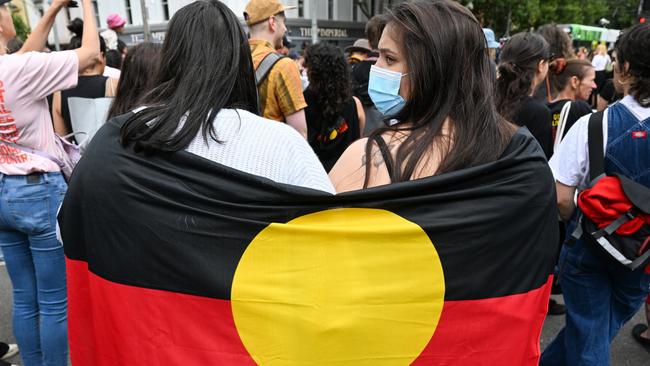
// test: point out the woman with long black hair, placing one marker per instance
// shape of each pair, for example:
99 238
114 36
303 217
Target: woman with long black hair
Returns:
446 112
335 118
205 101
523 66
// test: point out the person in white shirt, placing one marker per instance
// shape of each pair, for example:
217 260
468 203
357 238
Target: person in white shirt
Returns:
602 63
601 296
210 108
601 59
115 26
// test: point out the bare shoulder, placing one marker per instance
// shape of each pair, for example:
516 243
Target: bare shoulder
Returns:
349 172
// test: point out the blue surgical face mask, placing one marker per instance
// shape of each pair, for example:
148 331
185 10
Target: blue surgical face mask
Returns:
383 89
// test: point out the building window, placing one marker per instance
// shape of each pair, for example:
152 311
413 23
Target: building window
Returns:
330 9
165 5
129 14
301 8
355 11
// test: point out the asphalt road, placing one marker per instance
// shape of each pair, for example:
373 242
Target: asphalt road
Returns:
625 351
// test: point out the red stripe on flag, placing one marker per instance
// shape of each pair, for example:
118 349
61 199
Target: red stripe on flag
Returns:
126 325
497 331
139 326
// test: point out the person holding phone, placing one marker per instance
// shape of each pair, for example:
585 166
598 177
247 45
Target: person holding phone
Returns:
31 183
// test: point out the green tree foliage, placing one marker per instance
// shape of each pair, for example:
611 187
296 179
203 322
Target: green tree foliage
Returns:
22 29
517 16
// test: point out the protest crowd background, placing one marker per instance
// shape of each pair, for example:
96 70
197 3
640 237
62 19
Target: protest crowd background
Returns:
228 194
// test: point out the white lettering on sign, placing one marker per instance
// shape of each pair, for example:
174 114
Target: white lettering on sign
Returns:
325 32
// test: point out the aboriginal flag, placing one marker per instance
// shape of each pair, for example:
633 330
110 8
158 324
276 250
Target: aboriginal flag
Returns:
175 260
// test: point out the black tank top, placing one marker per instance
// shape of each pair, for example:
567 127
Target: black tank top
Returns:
329 139
91 87
385 153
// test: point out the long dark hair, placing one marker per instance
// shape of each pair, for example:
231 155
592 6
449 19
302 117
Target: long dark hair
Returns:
517 69
450 77
329 79
206 66
633 46
558 40
139 72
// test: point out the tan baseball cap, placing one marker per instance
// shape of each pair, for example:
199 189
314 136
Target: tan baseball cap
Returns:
260 10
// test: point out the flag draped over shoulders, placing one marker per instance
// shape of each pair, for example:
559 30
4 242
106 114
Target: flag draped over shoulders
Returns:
174 259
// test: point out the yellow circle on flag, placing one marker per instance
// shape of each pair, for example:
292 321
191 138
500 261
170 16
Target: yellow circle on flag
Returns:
340 287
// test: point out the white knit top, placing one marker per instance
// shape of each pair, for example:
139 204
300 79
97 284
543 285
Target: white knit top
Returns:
262 147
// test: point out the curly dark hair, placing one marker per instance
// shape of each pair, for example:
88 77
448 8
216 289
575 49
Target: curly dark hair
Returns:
329 78
633 47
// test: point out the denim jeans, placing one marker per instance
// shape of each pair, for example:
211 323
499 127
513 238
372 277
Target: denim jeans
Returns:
36 265
600 296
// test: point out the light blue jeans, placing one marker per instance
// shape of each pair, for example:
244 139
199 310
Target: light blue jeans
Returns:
36 265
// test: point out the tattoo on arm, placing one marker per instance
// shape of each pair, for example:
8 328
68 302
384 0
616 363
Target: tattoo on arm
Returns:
377 158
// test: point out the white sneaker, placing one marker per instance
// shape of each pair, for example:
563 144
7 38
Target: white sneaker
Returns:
13 350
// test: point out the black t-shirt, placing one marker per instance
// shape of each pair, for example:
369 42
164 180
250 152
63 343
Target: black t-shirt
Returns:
541 93
329 139
535 115
578 109
91 87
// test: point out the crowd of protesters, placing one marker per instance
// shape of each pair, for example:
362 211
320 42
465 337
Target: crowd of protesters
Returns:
429 92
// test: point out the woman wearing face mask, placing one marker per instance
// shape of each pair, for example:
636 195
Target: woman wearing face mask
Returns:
575 81
438 130
523 66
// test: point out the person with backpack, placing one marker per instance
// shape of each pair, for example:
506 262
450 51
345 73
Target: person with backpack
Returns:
604 281
32 184
278 78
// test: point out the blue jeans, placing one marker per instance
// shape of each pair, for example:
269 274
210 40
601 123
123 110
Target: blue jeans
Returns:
36 265
600 298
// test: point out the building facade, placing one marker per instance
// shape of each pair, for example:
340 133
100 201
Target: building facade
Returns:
339 21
